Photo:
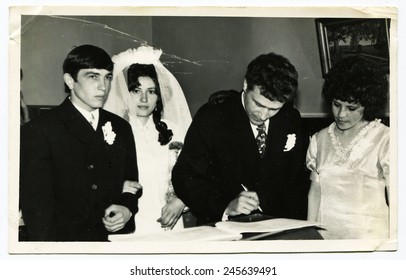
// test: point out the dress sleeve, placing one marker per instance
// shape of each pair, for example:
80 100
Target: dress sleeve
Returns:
311 158
175 145
384 159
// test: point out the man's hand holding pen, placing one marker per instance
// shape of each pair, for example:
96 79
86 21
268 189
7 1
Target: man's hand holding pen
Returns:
245 203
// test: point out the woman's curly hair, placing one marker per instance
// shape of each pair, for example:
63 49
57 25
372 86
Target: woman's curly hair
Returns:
353 79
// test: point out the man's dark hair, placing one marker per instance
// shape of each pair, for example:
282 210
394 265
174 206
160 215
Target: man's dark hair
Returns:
86 57
275 76
354 79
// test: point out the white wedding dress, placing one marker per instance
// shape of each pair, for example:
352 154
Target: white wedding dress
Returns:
155 164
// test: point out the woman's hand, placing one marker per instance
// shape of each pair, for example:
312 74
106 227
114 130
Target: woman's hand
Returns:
171 213
131 187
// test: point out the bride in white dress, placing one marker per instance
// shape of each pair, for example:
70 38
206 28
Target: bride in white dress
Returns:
146 94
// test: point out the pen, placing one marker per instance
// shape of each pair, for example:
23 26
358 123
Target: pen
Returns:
245 189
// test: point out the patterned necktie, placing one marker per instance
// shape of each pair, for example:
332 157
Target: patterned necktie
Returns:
261 139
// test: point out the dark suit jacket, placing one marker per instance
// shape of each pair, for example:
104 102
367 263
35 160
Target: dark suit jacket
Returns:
220 154
69 175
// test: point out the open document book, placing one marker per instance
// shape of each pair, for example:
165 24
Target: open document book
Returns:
225 230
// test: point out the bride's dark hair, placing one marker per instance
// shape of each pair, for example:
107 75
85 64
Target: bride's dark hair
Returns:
148 70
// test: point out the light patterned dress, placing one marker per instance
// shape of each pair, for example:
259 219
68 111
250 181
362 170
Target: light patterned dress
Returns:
352 182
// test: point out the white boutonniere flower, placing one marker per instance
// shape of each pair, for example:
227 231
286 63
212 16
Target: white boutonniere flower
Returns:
108 133
290 142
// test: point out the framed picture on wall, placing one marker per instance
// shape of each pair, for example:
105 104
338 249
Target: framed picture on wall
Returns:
341 37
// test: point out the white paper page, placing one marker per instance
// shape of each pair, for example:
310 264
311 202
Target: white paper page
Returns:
272 225
202 233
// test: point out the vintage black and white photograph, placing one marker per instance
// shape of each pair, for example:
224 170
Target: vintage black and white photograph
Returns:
217 130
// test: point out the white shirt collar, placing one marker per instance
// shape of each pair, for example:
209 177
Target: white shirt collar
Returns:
253 126
88 115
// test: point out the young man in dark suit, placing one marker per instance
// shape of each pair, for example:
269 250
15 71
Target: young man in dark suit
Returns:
246 153
77 159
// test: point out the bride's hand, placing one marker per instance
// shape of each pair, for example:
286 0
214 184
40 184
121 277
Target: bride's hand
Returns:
131 187
171 213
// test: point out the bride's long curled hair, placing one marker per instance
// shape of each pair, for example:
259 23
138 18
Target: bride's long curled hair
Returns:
148 70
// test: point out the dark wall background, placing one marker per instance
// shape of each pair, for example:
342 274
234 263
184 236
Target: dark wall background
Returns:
45 42
206 54
225 46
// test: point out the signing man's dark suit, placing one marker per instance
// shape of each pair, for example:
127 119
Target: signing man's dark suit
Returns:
220 155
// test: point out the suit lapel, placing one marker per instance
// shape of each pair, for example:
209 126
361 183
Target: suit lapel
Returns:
80 128
75 123
242 136
98 141
276 138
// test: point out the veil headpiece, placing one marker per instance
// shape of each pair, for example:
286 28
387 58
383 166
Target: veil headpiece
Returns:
175 108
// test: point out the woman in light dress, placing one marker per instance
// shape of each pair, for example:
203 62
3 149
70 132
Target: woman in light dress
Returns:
349 160
146 94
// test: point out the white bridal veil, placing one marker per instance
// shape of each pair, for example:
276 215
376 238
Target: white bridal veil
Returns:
175 107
